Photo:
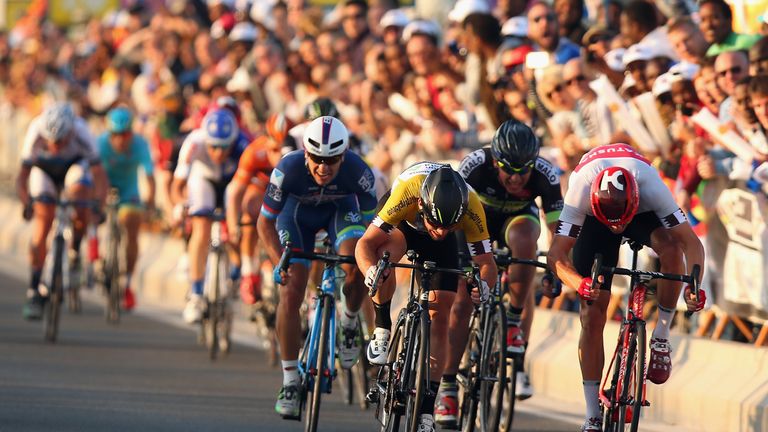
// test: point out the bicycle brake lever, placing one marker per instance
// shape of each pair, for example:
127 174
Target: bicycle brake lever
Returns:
596 267
381 266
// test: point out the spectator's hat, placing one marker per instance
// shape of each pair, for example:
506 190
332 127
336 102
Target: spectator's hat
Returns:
595 32
244 32
421 27
638 52
394 18
222 26
615 59
261 13
683 71
661 85
240 81
516 56
628 83
463 8
515 27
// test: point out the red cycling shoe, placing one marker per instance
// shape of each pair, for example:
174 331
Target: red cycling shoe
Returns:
660 365
250 288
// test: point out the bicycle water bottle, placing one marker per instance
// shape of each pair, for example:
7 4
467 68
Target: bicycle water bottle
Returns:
93 243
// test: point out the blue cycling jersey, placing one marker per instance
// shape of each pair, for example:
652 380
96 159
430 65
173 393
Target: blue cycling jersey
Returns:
122 168
292 180
194 159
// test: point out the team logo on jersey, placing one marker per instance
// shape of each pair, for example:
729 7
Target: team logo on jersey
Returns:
277 177
367 181
275 192
284 235
471 161
543 166
353 217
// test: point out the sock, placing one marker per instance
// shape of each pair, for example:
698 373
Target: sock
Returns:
514 315
428 403
34 281
234 273
520 365
382 316
348 319
197 287
128 280
246 265
290 372
664 323
592 398
448 385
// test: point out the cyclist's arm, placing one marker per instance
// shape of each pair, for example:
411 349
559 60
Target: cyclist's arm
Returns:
236 192
149 171
267 230
101 183
560 263
22 184
691 245
274 200
368 246
488 270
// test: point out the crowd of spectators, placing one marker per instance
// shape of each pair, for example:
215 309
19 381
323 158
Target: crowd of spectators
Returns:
414 88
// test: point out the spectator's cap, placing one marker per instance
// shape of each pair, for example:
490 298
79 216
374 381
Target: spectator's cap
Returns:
176 7
516 27
594 33
661 85
421 27
123 19
222 26
628 83
463 8
394 18
240 81
638 52
261 13
615 59
683 71
244 32
516 56
229 4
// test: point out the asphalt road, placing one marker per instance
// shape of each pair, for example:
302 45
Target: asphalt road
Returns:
147 374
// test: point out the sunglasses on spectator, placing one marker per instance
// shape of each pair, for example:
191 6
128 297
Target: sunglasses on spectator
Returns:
574 80
511 170
735 70
547 17
597 38
327 160
557 89
356 16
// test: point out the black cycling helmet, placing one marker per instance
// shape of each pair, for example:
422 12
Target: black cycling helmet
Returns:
320 107
444 196
514 144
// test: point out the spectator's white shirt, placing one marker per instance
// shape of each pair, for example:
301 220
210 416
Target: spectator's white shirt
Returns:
659 40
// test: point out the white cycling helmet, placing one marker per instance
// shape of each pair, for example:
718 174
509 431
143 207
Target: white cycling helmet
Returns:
58 121
326 136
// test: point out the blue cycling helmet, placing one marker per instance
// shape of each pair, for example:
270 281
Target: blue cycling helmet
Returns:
220 128
119 120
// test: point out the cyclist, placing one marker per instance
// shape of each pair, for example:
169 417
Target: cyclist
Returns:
207 162
322 187
245 198
614 192
58 155
428 203
508 177
122 154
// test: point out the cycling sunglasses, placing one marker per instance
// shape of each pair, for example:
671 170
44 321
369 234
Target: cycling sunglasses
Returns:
327 160
509 169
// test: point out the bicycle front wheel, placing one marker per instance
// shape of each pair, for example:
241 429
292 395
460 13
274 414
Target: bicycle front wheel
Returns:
468 377
632 394
507 412
55 295
493 371
419 377
389 383
112 279
214 304
313 415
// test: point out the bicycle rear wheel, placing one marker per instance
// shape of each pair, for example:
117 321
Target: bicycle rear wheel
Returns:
52 312
468 377
507 414
313 415
213 295
112 279
493 371
389 383
617 387
419 374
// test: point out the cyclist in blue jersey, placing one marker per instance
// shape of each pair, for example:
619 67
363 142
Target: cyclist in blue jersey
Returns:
122 153
207 162
323 187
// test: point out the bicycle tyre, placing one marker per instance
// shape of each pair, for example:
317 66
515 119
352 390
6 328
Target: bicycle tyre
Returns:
389 406
53 306
421 374
313 415
493 371
113 277
637 357
507 414
213 307
611 411
360 382
468 408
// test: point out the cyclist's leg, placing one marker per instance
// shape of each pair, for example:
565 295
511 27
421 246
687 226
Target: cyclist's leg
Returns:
202 202
78 184
250 287
129 216
594 238
346 229
43 191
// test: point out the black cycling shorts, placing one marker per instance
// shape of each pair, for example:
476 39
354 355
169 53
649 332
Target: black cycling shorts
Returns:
597 238
498 222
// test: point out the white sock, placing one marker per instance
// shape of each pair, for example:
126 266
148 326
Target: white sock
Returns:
592 398
290 372
663 323
348 319
246 265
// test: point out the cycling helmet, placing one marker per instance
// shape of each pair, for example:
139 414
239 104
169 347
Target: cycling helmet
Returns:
614 197
220 128
444 196
321 107
277 127
119 120
228 102
326 136
514 144
58 121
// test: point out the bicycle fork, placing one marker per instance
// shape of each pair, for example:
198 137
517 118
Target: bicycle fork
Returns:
313 341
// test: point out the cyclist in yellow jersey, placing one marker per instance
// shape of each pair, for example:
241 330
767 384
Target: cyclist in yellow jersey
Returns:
428 203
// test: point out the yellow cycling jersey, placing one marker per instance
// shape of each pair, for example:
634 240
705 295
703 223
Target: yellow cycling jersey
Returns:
403 205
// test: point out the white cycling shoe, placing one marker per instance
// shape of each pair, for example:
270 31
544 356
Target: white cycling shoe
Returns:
349 345
523 389
194 310
426 423
378 348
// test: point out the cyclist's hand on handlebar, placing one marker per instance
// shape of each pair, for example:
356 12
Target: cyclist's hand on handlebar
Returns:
587 292
370 276
281 277
27 212
481 294
690 299
551 287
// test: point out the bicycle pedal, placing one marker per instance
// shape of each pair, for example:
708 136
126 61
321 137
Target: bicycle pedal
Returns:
372 396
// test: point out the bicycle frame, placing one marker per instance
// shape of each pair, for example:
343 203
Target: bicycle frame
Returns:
309 354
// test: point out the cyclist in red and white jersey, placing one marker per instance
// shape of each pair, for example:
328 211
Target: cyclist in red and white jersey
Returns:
614 192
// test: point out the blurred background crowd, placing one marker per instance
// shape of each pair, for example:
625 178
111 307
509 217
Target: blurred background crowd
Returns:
682 81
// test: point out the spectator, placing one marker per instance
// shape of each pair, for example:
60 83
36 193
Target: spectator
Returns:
758 57
565 126
717 26
639 25
354 15
544 31
687 40
594 116
392 24
569 14
731 67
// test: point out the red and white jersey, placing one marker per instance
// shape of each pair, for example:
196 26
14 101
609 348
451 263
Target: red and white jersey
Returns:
654 194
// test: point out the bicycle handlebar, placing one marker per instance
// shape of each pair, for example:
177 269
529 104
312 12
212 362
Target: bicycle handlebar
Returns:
425 266
288 253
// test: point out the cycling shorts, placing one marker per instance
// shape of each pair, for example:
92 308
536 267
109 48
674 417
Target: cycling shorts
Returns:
204 196
597 238
298 223
43 185
499 223
445 253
